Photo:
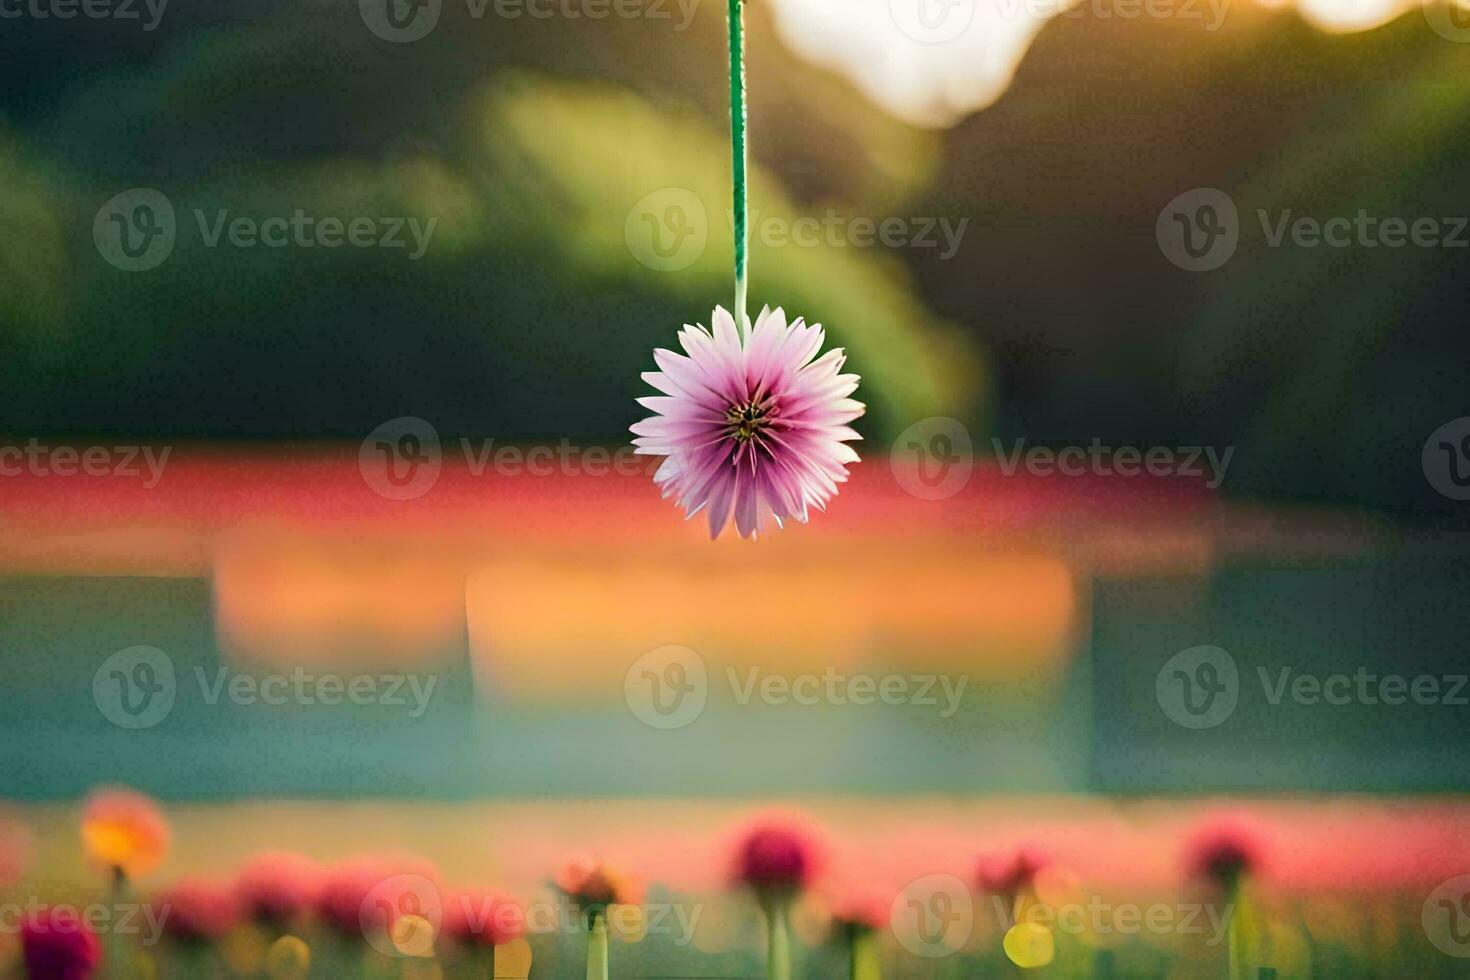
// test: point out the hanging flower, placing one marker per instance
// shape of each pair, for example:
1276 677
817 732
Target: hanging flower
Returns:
756 427
57 944
124 831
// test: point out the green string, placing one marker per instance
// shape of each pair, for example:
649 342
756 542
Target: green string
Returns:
737 156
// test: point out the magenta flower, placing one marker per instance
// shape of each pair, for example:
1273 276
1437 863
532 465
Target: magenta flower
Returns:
752 426
57 944
776 859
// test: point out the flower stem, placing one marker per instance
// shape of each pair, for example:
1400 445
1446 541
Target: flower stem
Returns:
778 942
597 947
864 964
738 157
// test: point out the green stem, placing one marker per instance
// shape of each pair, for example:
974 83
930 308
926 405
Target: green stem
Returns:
114 951
778 942
597 947
864 964
738 157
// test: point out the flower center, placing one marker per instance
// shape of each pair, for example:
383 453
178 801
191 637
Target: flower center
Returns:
744 422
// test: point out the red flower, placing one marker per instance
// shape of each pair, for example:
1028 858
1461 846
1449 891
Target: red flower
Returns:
1010 873
484 918
276 887
1223 851
776 858
199 910
58 945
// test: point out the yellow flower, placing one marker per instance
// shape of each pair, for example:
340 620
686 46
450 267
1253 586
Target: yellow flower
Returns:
124 830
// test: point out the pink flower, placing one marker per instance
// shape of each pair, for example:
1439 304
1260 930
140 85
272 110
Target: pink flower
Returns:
367 895
276 887
592 884
198 910
58 945
753 426
483 918
1010 873
1222 851
775 858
